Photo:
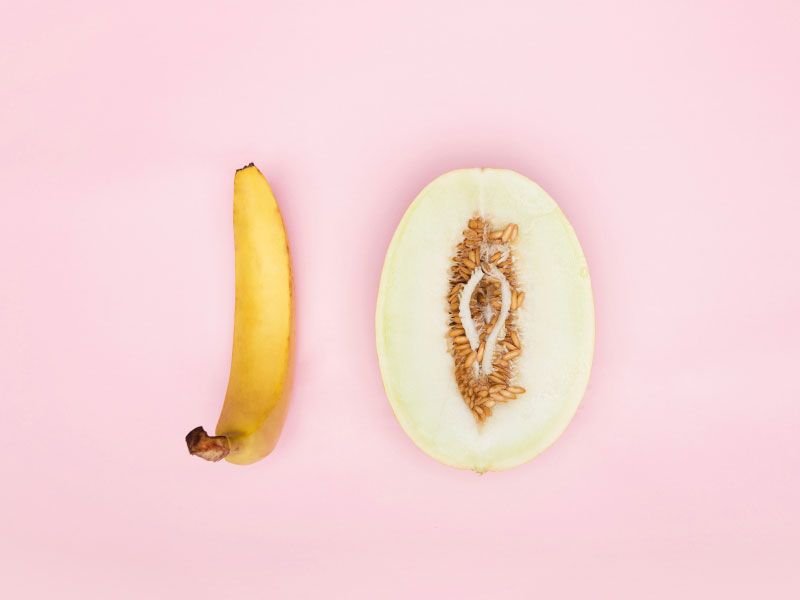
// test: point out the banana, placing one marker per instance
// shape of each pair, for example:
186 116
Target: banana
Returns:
256 400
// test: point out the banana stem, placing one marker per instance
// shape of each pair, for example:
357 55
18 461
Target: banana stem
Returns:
207 447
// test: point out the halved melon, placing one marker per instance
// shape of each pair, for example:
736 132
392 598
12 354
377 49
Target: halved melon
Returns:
485 320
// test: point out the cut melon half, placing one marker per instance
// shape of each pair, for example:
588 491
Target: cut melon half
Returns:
485 320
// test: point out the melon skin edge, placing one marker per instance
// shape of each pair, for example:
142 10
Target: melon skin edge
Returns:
522 450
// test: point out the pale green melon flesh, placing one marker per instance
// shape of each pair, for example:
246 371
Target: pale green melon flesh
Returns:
556 322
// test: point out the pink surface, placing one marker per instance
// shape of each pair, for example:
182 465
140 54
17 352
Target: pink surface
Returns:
668 132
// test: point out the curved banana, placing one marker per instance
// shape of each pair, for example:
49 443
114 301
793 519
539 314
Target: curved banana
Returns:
256 401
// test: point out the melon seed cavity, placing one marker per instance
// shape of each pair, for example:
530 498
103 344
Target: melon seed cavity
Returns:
482 302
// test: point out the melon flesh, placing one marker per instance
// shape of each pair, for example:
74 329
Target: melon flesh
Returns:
556 322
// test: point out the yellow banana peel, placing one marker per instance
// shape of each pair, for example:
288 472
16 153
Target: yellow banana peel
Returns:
256 401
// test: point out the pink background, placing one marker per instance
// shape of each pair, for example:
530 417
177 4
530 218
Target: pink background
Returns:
669 133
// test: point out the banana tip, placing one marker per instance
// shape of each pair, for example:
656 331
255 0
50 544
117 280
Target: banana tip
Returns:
207 447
